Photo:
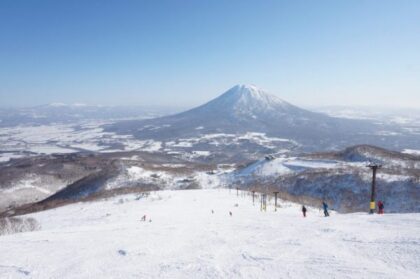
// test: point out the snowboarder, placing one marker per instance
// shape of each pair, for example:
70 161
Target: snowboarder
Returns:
304 210
143 218
325 206
380 207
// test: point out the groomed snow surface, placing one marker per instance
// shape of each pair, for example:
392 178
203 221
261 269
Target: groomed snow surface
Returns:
106 239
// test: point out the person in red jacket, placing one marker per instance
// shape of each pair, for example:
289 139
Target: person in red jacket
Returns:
380 207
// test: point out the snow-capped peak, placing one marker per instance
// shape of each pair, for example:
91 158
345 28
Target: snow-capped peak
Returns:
252 92
245 103
248 99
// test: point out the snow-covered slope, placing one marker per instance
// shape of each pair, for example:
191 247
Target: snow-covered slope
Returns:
340 177
184 239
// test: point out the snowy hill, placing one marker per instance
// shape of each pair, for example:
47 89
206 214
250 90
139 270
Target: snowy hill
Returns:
340 177
106 239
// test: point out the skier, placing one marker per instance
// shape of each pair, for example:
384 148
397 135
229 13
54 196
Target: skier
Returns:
325 206
230 213
212 211
143 218
380 207
304 210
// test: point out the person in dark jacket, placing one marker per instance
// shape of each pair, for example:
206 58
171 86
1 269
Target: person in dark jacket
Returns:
380 207
304 210
325 206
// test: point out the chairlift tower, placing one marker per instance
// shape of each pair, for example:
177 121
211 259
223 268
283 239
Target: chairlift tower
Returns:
374 168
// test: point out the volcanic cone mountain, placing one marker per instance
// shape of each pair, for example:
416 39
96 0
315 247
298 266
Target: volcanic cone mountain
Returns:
246 108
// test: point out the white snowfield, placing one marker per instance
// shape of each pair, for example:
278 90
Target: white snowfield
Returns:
106 239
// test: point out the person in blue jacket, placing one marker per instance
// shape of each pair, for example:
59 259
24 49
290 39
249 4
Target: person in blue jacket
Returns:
325 206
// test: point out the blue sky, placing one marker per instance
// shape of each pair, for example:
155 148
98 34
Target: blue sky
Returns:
183 53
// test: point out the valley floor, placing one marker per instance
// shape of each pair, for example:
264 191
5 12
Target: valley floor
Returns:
106 239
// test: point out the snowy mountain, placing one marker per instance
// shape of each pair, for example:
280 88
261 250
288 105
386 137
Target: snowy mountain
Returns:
182 238
243 124
247 109
241 109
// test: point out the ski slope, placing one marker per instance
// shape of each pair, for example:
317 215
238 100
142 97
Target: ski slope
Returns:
106 239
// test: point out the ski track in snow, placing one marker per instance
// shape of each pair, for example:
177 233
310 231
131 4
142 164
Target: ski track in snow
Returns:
106 239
